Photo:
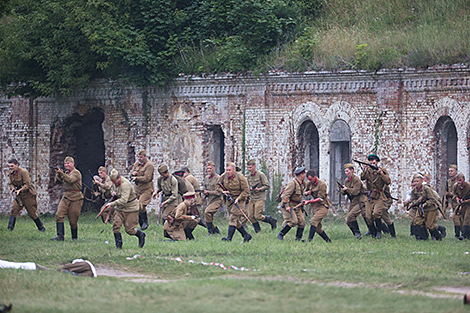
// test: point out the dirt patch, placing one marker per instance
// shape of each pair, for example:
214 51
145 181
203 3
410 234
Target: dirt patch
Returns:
102 270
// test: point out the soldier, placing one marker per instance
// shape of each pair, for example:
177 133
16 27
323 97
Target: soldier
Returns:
291 197
355 191
214 198
193 181
235 187
71 203
25 195
126 208
462 198
412 211
316 188
258 184
448 198
427 181
426 202
376 180
387 225
142 176
104 184
179 224
167 184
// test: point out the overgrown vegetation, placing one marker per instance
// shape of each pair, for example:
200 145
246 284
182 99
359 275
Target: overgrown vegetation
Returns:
53 45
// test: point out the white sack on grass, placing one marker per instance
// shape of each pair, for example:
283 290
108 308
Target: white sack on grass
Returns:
18 265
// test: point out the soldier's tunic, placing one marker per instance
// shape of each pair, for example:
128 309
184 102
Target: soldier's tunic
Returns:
320 209
190 178
214 197
20 180
459 192
375 184
182 220
429 206
143 183
257 198
291 197
126 208
456 218
357 199
104 188
237 185
169 187
71 203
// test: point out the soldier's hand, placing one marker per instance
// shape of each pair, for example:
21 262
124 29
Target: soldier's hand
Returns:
344 188
308 192
236 200
206 192
17 192
13 190
113 193
134 173
288 208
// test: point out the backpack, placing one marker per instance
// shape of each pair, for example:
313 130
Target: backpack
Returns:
181 185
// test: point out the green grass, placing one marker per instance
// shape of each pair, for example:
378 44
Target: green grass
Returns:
289 276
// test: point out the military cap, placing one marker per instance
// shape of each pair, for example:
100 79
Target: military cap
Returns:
348 165
453 166
142 152
251 162
231 164
162 168
178 173
69 159
185 169
102 169
373 156
210 163
114 174
189 195
418 175
299 170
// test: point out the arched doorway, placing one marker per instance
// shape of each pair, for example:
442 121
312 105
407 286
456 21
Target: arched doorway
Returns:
308 149
445 136
215 140
340 153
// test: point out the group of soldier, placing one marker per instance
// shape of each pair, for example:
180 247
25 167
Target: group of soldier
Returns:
180 196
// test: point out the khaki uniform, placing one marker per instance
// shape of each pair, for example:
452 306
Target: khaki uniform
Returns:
71 203
104 188
291 197
429 206
20 180
190 178
237 185
459 192
356 196
182 220
169 187
320 209
143 183
257 198
126 208
375 184
214 198
450 200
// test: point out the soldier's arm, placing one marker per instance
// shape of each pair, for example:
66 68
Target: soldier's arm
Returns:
174 190
179 214
245 188
123 198
221 181
385 177
288 192
415 199
322 191
107 184
71 178
365 174
148 175
26 181
264 183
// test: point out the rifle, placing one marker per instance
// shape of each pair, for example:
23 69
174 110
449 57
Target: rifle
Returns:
55 168
374 167
457 210
160 209
254 186
18 200
236 204
113 198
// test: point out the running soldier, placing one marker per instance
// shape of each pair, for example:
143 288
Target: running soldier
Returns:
355 191
316 188
168 184
104 184
24 193
142 176
214 198
450 202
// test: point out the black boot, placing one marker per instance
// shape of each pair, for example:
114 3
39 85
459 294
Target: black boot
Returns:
423 232
378 227
246 236
39 225
350 227
325 236
368 232
372 230
466 232
436 235
271 220
298 235
391 229
74 232
60 232
442 230
209 229
311 233
11 223
141 235
215 230
189 233
202 223
257 227
412 230
118 240
283 232
385 229
143 221
231 231
457 232
356 231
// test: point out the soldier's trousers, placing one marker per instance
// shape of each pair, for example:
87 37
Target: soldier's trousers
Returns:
167 210
354 211
211 209
429 219
255 210
29 203
457 218
465 215
412 215
297 219
177 233
374 210
144 200
319 212
71 209
236 217
128 219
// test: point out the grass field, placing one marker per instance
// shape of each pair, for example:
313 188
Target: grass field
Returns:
347 275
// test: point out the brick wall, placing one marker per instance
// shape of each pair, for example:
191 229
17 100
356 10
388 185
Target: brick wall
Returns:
396 110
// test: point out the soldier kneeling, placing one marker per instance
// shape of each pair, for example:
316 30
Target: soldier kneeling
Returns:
179 224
